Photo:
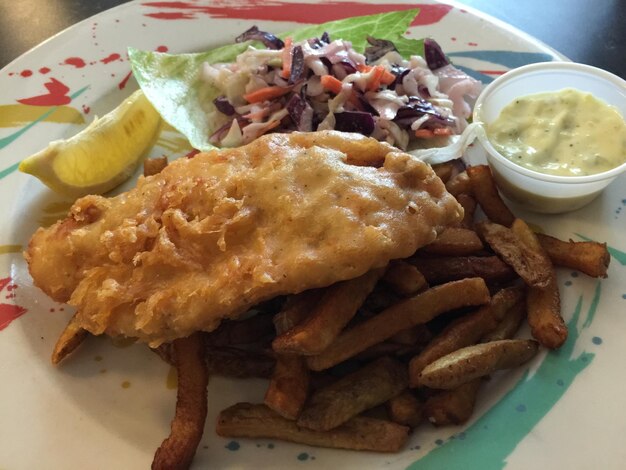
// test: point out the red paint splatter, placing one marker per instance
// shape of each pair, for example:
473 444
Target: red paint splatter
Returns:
473 44
492 72
192 153
111 58
86 109
44 70
51 310
56 96
162 49
75 61
11 74
121 85
9 312
26 73
453 39
296 12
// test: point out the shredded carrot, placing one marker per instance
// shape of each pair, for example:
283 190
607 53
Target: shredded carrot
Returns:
266 93
376 75
388 78
363 68
424 134
442 131
331 83
286 72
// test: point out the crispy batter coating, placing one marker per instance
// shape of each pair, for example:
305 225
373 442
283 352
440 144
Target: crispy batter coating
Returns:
211 236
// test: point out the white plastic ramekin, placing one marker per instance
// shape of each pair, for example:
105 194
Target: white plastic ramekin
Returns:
537 191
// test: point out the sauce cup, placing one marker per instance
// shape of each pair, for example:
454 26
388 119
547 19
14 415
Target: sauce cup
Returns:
537 191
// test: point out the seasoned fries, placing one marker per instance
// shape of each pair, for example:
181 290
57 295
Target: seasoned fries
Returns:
360 433
509 325
366 388
469 208
452 406
532 265
543 303
486 193
440 270
591 258
465 331
455 241
336 308
71 337
239 363
404 278
405 314
459 184
154 166
467 364
405 409
177 451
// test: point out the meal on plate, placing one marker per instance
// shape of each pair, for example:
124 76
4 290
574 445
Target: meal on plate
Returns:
320 251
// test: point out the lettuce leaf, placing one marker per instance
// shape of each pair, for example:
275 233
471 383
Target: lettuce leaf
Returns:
172 81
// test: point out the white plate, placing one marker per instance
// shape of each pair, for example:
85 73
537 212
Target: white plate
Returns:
110 407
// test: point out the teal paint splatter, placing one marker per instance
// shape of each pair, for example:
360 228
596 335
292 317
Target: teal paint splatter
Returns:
594 306
233 446
620 256
12 137
491 439
303 456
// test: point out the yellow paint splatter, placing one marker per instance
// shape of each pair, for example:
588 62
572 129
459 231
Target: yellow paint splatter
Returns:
125 384
97 358
171 383
10 249
17 115
103 371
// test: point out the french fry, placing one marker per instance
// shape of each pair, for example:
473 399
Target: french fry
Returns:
469 208
486 193
418 334
543 303
239 332
289 385
509 325
296 309
465 331
338 305
452 407
386 348
177 451
154 166
360 433
472 362
405 409
404 278
446 269
459 184
444 170
71 337
532 265
366 388
405 314
591 258
239 363
455 241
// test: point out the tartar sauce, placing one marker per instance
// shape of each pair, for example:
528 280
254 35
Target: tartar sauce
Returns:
568 133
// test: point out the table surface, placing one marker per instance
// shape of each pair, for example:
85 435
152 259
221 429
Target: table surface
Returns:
586 31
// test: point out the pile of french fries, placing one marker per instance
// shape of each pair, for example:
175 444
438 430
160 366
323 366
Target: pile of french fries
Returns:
359 364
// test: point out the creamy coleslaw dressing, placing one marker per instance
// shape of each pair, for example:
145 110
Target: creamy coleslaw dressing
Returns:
568 133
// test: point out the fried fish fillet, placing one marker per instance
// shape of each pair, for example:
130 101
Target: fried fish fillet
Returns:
211 236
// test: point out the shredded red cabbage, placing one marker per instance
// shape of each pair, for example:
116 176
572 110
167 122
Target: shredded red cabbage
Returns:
434 55
254 34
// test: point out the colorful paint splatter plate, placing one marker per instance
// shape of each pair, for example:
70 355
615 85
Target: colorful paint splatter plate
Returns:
110 405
